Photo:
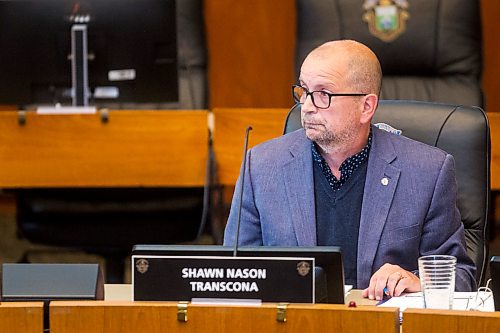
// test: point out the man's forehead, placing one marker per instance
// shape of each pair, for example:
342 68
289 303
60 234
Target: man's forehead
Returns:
324 71
324 59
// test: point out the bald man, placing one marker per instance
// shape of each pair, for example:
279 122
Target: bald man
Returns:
383 198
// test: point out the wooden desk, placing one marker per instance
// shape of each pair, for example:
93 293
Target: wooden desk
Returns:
153 317
229 134
17 317
142 148
439 321
135 148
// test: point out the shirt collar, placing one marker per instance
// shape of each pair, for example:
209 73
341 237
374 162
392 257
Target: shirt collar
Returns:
347 168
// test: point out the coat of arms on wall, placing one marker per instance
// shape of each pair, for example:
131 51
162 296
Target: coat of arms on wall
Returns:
386 18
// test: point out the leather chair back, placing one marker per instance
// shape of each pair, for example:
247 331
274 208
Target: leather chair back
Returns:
436 57
463 132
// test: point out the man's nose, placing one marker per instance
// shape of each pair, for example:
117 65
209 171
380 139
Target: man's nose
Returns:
308 105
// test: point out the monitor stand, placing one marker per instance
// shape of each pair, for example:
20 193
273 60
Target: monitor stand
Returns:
79 65
80 91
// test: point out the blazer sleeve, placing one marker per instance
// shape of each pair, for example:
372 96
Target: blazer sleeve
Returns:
250 232
443 230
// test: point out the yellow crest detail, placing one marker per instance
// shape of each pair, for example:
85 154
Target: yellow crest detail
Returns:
386 19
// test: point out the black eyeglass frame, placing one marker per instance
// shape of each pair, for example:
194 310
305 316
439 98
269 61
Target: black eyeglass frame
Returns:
310 93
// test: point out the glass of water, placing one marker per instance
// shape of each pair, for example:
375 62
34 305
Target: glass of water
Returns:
437 279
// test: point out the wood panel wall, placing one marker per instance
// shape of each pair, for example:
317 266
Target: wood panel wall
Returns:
490 10
251 51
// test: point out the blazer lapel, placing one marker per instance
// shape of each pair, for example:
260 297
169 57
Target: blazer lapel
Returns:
380 186
299 188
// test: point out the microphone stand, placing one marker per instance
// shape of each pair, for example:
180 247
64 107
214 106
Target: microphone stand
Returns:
242 177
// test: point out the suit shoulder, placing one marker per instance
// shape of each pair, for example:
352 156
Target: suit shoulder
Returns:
279 146
404 144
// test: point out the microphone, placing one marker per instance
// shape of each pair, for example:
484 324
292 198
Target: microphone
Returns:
242 177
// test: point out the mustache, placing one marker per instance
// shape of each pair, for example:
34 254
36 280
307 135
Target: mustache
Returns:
311 120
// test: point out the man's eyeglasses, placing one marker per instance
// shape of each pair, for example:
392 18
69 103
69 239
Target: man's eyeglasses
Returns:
320 99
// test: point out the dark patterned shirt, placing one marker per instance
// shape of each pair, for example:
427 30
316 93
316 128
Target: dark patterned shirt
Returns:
347 167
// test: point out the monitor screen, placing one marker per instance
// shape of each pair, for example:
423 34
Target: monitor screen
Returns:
132 51
329 273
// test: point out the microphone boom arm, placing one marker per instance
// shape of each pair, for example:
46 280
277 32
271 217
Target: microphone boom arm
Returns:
242 177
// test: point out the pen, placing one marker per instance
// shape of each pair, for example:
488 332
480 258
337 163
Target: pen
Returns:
385 298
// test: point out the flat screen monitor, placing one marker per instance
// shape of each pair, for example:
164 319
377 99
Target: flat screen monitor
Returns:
329 273
132 51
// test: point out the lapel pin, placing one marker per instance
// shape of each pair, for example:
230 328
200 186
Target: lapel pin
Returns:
384 181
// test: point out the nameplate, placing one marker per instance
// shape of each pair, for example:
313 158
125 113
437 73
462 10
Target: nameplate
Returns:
182 278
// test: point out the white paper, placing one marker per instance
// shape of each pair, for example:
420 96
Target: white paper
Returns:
461 301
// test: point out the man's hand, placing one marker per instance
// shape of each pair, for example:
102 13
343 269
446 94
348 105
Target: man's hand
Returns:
394 280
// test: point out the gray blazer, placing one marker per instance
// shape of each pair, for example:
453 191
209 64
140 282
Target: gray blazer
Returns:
411 213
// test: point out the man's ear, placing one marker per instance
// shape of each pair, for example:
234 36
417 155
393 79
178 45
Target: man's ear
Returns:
369 106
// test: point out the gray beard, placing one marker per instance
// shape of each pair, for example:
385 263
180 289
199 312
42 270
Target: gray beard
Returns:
333 142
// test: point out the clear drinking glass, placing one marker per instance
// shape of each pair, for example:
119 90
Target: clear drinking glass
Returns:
437 279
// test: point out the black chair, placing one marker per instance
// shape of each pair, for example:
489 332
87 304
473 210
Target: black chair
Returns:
463 132
191 55
434 54
109 221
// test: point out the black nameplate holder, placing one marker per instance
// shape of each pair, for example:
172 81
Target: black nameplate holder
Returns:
47 282
184 278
